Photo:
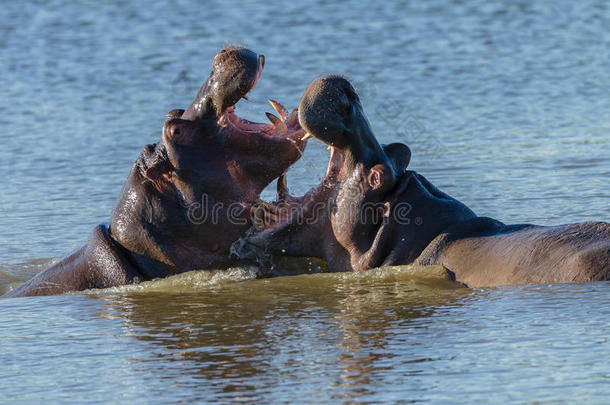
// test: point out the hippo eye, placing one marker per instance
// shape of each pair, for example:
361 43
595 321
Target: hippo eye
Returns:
173 133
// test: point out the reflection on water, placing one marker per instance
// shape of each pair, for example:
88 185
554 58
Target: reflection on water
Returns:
390 336
329 329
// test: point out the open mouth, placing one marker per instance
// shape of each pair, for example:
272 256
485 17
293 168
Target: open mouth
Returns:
284 127
288 209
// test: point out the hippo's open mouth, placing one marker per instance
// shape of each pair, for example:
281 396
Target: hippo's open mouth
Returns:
287 209
286 126
242 155
330 111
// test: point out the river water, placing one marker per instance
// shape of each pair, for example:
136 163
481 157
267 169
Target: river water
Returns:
505 107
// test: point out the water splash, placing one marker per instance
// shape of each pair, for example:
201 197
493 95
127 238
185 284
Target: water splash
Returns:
188 282
414 277
13 275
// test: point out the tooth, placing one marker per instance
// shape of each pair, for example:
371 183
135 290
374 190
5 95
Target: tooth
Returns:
270 207
279 124
306 136
330 161
294 117
245 97
257 213
271 216
282 189
281 110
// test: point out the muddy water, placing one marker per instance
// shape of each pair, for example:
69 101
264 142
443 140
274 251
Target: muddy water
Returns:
505 107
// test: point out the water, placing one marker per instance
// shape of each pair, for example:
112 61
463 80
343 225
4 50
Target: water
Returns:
505 107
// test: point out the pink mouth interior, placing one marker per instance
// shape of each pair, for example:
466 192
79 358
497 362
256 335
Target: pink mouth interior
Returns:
243 125
246 127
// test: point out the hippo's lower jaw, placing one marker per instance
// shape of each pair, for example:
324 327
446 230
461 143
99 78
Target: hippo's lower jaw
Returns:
256 152
290 210
241 132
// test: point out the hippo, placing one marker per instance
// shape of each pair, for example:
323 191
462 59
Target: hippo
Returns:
189 196
370 211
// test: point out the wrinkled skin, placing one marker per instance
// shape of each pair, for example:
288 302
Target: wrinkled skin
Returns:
189 196
371 211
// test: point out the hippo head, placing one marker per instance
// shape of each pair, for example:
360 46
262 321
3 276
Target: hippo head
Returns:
340 219
209 134
189 196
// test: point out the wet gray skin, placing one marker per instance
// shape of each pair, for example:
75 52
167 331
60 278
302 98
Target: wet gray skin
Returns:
189 196
371 211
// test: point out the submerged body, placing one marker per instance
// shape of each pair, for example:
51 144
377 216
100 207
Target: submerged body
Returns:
371 211
187 197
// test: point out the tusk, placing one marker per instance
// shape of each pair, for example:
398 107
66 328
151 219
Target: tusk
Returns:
281 110
270 217
306 136
282 189
279 124
294 117
258 217
270 207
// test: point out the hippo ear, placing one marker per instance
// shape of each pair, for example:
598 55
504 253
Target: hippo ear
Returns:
381 178
175 113
399 154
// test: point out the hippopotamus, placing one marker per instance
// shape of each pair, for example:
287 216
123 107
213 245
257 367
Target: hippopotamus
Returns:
371 211
189 196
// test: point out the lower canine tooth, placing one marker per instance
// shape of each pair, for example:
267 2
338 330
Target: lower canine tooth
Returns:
271 208
270 217
281 110
279 124
282 188
294 117
258 217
